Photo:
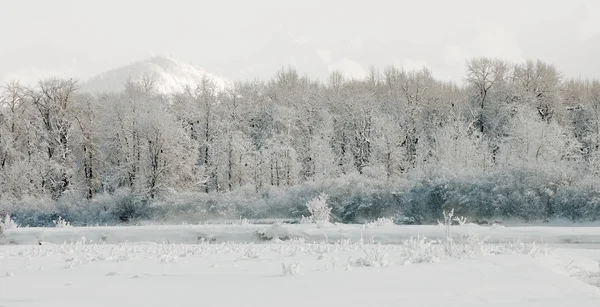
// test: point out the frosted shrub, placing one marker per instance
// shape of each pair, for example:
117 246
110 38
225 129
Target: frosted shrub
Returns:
250 252
382 221
291 269
7 223
447 223
319 210
461 220
60 223
374 257
242 222
306 220
422 250
469 245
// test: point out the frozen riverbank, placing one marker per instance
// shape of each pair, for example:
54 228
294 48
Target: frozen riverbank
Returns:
393 234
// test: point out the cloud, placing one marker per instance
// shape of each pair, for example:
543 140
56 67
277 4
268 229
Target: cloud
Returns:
32 75
325 55
292 61
350 68
410 64
590 25
453 55
491 41
300 40
356 43
496 42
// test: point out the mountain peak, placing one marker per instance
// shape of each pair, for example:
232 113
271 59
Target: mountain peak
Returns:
170 74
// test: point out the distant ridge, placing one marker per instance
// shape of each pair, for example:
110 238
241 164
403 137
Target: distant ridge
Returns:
171 76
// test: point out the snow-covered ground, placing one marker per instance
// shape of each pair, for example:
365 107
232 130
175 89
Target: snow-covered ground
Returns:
252 275
339 272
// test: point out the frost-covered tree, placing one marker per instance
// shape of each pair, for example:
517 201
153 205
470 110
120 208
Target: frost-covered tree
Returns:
54 99
86 147
456 148
536 144
538 85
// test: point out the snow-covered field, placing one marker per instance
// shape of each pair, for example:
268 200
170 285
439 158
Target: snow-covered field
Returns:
171 266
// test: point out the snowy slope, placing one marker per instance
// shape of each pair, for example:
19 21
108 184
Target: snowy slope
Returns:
171 76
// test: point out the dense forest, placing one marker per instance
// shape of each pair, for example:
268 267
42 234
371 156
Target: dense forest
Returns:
513 141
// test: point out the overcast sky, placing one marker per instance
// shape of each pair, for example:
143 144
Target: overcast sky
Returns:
246 39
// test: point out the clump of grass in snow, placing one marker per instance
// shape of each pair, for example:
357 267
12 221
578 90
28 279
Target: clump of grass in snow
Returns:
61 223
374 257
291 269
250 252
361 254
421 250
306 220
243 222
382 221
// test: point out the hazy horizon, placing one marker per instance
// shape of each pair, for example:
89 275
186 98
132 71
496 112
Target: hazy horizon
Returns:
240 40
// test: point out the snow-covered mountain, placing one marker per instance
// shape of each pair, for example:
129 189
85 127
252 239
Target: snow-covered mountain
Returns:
170 75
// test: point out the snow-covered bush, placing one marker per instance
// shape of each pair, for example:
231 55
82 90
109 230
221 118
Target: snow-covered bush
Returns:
242 222
319 209
306 220
469 245
448 217
448 241
129 207
7 223
60 223
291 269
461 220
420 249
250 252
517 194
375 256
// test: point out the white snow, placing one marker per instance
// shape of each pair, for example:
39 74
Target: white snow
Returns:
171 76
281 274
340 272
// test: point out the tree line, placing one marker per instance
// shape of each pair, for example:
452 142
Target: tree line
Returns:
393 126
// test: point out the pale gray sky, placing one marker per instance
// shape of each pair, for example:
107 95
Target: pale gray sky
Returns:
246 39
